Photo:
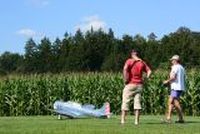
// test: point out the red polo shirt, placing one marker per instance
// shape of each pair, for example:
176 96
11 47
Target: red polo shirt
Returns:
136 68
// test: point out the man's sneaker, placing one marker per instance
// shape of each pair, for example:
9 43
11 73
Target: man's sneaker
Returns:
167 121
122 122
180 121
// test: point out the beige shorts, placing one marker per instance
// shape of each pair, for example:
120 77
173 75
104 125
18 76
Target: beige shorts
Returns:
131 91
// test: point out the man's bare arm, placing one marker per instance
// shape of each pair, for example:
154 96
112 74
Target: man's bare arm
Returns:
172 78
125 73
149 73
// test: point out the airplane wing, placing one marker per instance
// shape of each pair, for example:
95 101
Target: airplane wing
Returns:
76 110
63 113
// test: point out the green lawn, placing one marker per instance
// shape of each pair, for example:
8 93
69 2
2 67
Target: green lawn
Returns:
50 125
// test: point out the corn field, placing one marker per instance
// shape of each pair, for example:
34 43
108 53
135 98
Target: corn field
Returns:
35 94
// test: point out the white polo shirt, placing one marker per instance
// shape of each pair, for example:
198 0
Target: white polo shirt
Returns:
179 83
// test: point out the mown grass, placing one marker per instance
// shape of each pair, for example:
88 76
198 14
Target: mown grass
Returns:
50 125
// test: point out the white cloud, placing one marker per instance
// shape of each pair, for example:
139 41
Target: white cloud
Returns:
91 21
29 33
26 32
38 3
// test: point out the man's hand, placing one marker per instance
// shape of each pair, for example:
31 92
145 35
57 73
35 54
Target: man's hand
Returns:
126 82
149 74
172 78
165 82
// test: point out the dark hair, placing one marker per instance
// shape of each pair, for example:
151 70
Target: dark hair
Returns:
134 51
179 61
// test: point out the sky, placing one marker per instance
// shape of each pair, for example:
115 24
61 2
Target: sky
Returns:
24 19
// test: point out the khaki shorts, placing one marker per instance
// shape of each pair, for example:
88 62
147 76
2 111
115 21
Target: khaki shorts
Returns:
131 91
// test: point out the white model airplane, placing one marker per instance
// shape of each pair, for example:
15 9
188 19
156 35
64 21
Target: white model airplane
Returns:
75 110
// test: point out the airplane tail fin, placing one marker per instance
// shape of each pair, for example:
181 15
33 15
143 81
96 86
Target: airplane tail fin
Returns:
105 109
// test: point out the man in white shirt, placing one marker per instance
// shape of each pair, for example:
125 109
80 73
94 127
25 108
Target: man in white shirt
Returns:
177 83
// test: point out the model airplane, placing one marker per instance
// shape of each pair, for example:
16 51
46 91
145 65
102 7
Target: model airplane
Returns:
75 110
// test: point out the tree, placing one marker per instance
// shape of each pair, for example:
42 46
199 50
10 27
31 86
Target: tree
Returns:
97 50
45 56
56 52
182 29
31 56
10 62
152 37
111 33
78 37
139 40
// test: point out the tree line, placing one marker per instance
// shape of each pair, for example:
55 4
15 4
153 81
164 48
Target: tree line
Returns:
101 51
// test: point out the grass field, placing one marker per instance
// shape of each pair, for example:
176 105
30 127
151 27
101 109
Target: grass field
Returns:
50 125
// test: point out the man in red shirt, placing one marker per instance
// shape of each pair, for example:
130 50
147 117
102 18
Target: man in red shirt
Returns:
133 72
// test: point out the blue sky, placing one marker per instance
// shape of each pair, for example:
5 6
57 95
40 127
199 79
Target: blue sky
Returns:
22 19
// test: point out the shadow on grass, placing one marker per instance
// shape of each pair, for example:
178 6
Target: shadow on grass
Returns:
186 122
191 122
80 118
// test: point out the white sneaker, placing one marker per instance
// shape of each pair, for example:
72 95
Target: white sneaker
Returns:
136 123
59 117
